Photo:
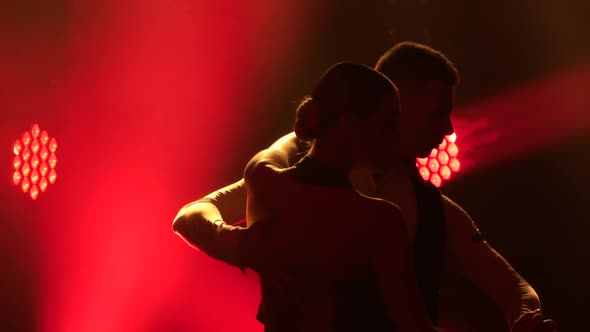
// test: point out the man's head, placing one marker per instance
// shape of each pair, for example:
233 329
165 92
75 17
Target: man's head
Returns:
426 80
354 106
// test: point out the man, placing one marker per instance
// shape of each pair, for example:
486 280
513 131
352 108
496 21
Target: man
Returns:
426 80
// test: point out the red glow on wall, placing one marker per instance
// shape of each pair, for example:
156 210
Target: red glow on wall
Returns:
493 129
34 162
156 94
442 162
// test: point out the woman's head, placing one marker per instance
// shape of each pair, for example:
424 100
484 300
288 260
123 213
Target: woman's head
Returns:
355 105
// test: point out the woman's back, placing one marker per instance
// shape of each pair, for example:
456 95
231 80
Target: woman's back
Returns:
321 274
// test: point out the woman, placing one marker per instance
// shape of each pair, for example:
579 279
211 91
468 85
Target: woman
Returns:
322 265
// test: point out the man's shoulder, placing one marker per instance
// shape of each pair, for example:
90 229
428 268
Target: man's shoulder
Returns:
453 211
376 202
380 208
262 172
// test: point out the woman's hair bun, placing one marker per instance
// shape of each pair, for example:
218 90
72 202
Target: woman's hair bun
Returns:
307 120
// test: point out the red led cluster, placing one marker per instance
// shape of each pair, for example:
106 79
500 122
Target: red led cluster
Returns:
441 163
34 161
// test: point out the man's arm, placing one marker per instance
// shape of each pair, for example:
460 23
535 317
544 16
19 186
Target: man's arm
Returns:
478 262
260 173
203 223
260 177
396 279
292 149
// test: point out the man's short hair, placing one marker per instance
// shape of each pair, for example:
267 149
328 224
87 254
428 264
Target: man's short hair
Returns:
414 61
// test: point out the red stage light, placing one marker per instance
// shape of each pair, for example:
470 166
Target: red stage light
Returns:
17 148
35 146
35 177
44 153
43 184
454 164
26 170
34 160
52 145
443 157
35 131
16 177
44 169
441 163
17 162
26 154
436 180
424 172
34 192
433 165
52 176
52 161
26 138
445 172
25 185
44 138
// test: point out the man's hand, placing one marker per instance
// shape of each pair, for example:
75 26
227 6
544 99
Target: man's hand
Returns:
533 321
